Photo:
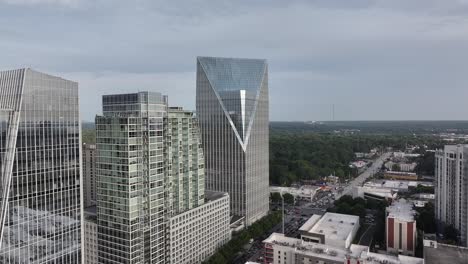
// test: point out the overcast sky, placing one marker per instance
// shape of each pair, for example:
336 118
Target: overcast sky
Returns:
372 59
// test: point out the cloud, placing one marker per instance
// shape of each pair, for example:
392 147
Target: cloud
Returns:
347 53
64 3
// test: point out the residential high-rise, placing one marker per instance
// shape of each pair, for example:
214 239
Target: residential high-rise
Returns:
232 107
186 175
40 194
89 174
451 190
151 203
199 220
131 173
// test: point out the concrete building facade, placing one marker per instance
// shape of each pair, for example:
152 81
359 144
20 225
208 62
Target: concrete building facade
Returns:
90 244
40 164
232 107
196 234
451 188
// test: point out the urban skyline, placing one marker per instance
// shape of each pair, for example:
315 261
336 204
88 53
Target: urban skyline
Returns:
233 132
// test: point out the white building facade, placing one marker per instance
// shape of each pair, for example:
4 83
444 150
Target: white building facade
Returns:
196 234
90 242
451 188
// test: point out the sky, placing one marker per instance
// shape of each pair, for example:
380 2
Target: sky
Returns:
371 59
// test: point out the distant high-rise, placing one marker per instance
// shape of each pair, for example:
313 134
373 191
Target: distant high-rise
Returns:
131 178
232 106
451 191
40 194
89 174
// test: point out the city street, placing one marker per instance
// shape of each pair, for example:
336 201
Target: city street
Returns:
358 181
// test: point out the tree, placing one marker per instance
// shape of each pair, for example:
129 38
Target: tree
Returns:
426 218
288 198
396 167
275 197
451 234
426 164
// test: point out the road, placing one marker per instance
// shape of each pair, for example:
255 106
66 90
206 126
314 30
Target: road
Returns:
358 181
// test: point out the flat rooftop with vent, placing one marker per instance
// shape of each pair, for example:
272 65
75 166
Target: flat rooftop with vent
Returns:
331 229
279 249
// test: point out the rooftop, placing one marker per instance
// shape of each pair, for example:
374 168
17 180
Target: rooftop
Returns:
388 184
315 249
375 258
90 213
304 191
445 254
377 191
333 226
212 196
338 254
310 223
401 210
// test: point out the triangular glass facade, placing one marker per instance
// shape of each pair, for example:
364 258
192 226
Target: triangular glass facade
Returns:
237 82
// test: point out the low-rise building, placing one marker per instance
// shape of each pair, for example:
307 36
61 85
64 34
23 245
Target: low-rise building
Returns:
374 193
306 192
401 175
90 243
279 249
436 253
401 228
332 229
196 234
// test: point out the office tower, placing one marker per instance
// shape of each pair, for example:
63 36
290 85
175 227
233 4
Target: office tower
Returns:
451 191
401 228
89 174
131 178
199 220
232 106
40 196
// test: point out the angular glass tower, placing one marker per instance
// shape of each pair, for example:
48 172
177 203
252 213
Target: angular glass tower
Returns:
232 107
40 196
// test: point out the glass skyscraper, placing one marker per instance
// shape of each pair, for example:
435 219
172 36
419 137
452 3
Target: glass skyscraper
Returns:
40 196
131 169
232 107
